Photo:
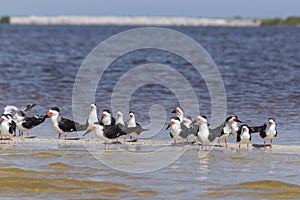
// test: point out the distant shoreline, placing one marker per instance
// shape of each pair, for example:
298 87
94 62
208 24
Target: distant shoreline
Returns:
116 20
146 21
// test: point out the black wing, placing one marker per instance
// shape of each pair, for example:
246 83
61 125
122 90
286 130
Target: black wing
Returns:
113 121
12 127
262 132
27 107
68 125
194 128
30 122
255 129
185 131
216 132
113 131
239 132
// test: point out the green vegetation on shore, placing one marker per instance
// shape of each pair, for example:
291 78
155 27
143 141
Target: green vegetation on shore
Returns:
290 21
5 19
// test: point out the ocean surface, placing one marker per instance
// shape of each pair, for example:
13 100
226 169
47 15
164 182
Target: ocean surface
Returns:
260 70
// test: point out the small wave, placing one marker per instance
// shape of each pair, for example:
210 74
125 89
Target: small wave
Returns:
58 165
263 189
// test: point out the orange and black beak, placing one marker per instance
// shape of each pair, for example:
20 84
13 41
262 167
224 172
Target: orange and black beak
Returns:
103 115
89 130
170 124
49 114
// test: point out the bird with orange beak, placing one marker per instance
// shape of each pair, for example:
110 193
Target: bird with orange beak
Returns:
243 136
268 131
62 125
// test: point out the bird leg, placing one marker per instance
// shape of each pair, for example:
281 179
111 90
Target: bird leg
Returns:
59 135
65 136
265 147
137 138
124 141
219 142
117 141
174 142
247 146
226 143
239 147
130 138
271 144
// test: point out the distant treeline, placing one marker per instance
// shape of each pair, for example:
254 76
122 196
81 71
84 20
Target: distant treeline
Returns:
290 21
5 19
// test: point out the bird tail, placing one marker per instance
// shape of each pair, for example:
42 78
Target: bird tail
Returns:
81 127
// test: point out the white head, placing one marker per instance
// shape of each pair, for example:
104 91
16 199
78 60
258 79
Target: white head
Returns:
4 118
53 112
201 120
271 121
245 129
179 112
106 117
93 106
119 114
119 119
131 115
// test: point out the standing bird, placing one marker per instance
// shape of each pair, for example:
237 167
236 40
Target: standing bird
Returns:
29 123
186 118
268 131
18 114
93 117
229 127
120 122
62 125
243 136
133 128
106 133
204 135
107 118
6 128
178 130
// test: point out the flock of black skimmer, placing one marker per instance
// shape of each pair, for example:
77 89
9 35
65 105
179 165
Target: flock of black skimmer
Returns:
109 129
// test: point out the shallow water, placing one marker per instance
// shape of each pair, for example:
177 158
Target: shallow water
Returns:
260 69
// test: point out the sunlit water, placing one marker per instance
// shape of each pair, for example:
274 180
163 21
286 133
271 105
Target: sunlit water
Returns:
260 69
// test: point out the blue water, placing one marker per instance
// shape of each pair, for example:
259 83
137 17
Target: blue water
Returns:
259 66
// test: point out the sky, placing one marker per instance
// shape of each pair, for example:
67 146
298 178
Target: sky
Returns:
183 8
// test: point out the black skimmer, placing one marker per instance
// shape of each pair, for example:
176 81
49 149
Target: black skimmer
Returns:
29 123
106 133
18 114
93 117
178 130
243 136
268 131
120 122
193 128
6 129
107 118
133 128
229 127
12 123
62 125
181 116
203 131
